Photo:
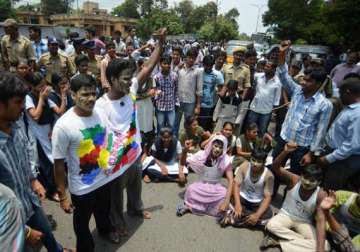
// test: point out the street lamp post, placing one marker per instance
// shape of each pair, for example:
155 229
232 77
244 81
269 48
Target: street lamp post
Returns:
259 7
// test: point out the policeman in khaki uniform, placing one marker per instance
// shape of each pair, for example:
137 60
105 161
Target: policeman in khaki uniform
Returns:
55 61
94 59
15 47
240 72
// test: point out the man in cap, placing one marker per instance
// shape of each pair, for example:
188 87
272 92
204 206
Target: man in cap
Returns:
15 47
240 72
56 62
94 59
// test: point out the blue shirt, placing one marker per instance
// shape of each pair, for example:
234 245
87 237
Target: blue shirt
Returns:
15 168
344 134
211 80
39 48
307 118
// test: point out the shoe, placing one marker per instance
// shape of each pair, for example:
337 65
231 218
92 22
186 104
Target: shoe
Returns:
181 209
113 237
269 242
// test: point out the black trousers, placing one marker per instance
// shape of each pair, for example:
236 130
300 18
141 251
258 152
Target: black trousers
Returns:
205 118
98 203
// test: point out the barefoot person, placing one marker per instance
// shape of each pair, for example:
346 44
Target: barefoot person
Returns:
118 105
207 195
295 224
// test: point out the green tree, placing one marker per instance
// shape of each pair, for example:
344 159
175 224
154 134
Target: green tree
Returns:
50 7
232 15
184 10
126 9
6 10
222 30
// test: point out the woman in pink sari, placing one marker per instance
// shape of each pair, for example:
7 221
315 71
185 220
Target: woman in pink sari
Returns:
208 196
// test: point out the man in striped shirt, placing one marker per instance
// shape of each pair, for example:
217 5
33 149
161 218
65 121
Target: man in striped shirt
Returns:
308 117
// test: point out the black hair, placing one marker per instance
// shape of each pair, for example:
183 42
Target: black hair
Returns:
57 78
312 170
91 30
250 53
272 63
81 58
192 53
219 53
188 121
259 154
73 35
11 86
251 126
177 49
228 123
166 59
218 141
232 84
352 84
81 80
35 29
351 75
208 60
319 75
165 130
117 32
118 65
34 79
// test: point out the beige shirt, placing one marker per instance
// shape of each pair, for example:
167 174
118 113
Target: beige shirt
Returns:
190 84
57 64
239 73
241 171
13 51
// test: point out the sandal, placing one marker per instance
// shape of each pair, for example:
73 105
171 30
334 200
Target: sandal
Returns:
181 209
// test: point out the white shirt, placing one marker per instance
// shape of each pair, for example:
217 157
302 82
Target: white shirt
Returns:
267 94
119 47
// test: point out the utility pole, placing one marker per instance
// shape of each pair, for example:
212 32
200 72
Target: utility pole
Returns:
259 7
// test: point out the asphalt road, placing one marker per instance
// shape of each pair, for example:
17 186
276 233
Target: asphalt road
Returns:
165 231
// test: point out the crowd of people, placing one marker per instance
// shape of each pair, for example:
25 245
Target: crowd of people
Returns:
84 119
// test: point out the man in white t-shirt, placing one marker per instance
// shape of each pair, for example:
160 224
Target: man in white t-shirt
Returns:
80 138
119 107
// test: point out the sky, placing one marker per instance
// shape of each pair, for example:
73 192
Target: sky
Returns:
247 19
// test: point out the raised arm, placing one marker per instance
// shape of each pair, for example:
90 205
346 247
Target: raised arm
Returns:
146 71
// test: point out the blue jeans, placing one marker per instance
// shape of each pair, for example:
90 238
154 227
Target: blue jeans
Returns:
185 108
165 119
38 221
261 120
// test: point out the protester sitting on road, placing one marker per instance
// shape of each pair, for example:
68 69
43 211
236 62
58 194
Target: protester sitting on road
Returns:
253 186
207 195
295 227
227 131
339 231
193 132
163 164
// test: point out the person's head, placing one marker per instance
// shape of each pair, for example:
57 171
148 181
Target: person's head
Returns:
217 148
295 68
306 60
119 73
82 63
166 136
239 55
250 58
132 32
12 96
208 63
227 129
350 90
270 69
312 80
59 81
90 48
78 44
251 131
191 123
220 59
37 82
165 63
129 49
90 32
311 177
232 87
110 49
176 54
22 68
191 55
260 66
83 92
53 45
117 35
352 58
257 159
73 35
34 33
273 55
11 27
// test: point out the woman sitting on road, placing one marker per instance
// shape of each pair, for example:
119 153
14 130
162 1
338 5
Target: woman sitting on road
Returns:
192 131
207 196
